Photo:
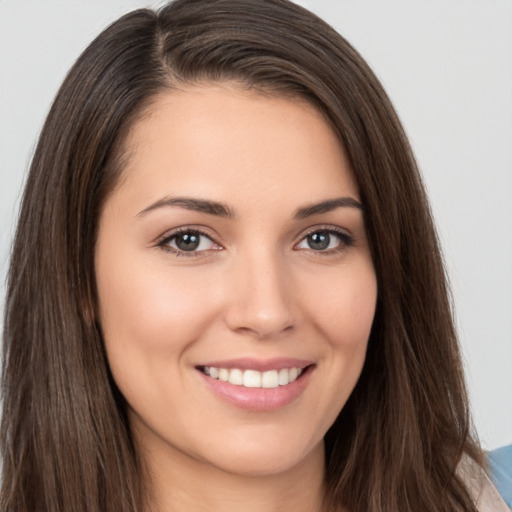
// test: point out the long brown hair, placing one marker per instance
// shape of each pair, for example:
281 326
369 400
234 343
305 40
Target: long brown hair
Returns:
65 440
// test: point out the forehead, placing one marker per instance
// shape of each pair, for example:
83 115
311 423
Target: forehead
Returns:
223 142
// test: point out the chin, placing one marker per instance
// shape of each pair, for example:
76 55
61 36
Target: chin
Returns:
252 457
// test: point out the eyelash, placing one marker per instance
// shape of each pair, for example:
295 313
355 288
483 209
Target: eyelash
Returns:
345 241
164 243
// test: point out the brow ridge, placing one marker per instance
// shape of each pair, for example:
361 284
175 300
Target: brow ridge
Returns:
223 210
194 204
327 206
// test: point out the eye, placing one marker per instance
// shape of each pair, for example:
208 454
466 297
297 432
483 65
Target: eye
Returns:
326 240
188 242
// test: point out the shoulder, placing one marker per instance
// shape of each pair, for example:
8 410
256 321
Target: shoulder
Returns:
484 493
500 467
490 500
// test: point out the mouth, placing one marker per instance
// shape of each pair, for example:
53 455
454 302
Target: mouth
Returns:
256 385
254 378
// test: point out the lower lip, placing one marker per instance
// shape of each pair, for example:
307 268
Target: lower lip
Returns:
259 399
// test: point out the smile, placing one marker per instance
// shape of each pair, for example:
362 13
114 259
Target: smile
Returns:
254 378
256 385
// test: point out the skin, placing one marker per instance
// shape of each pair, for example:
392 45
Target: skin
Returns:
255 288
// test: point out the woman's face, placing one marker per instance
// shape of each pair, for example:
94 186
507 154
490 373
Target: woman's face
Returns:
236 287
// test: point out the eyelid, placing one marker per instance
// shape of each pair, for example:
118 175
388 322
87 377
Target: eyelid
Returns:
166 238
346 238
325 227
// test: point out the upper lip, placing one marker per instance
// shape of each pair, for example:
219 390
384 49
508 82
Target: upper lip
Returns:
249 363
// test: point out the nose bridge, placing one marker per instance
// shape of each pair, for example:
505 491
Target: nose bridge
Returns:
260 302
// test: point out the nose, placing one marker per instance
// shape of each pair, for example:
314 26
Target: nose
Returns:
260 297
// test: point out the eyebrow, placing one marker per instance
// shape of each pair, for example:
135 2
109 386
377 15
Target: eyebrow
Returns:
223 210
327 206
189 203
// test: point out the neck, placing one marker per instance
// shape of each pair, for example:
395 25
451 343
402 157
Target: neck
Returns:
185 485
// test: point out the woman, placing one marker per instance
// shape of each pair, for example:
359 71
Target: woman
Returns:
226 290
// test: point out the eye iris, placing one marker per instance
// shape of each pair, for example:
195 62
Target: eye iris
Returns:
319 240
187 241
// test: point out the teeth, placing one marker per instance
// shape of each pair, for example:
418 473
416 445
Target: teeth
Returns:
270 379
254 378
283 377
236 377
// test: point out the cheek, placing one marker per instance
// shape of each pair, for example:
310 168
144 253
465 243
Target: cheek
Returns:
342 310
150 316
147 310
342 306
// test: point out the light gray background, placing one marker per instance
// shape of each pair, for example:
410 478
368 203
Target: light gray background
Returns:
447 65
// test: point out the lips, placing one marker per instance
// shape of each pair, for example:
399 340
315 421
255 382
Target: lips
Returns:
257 385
